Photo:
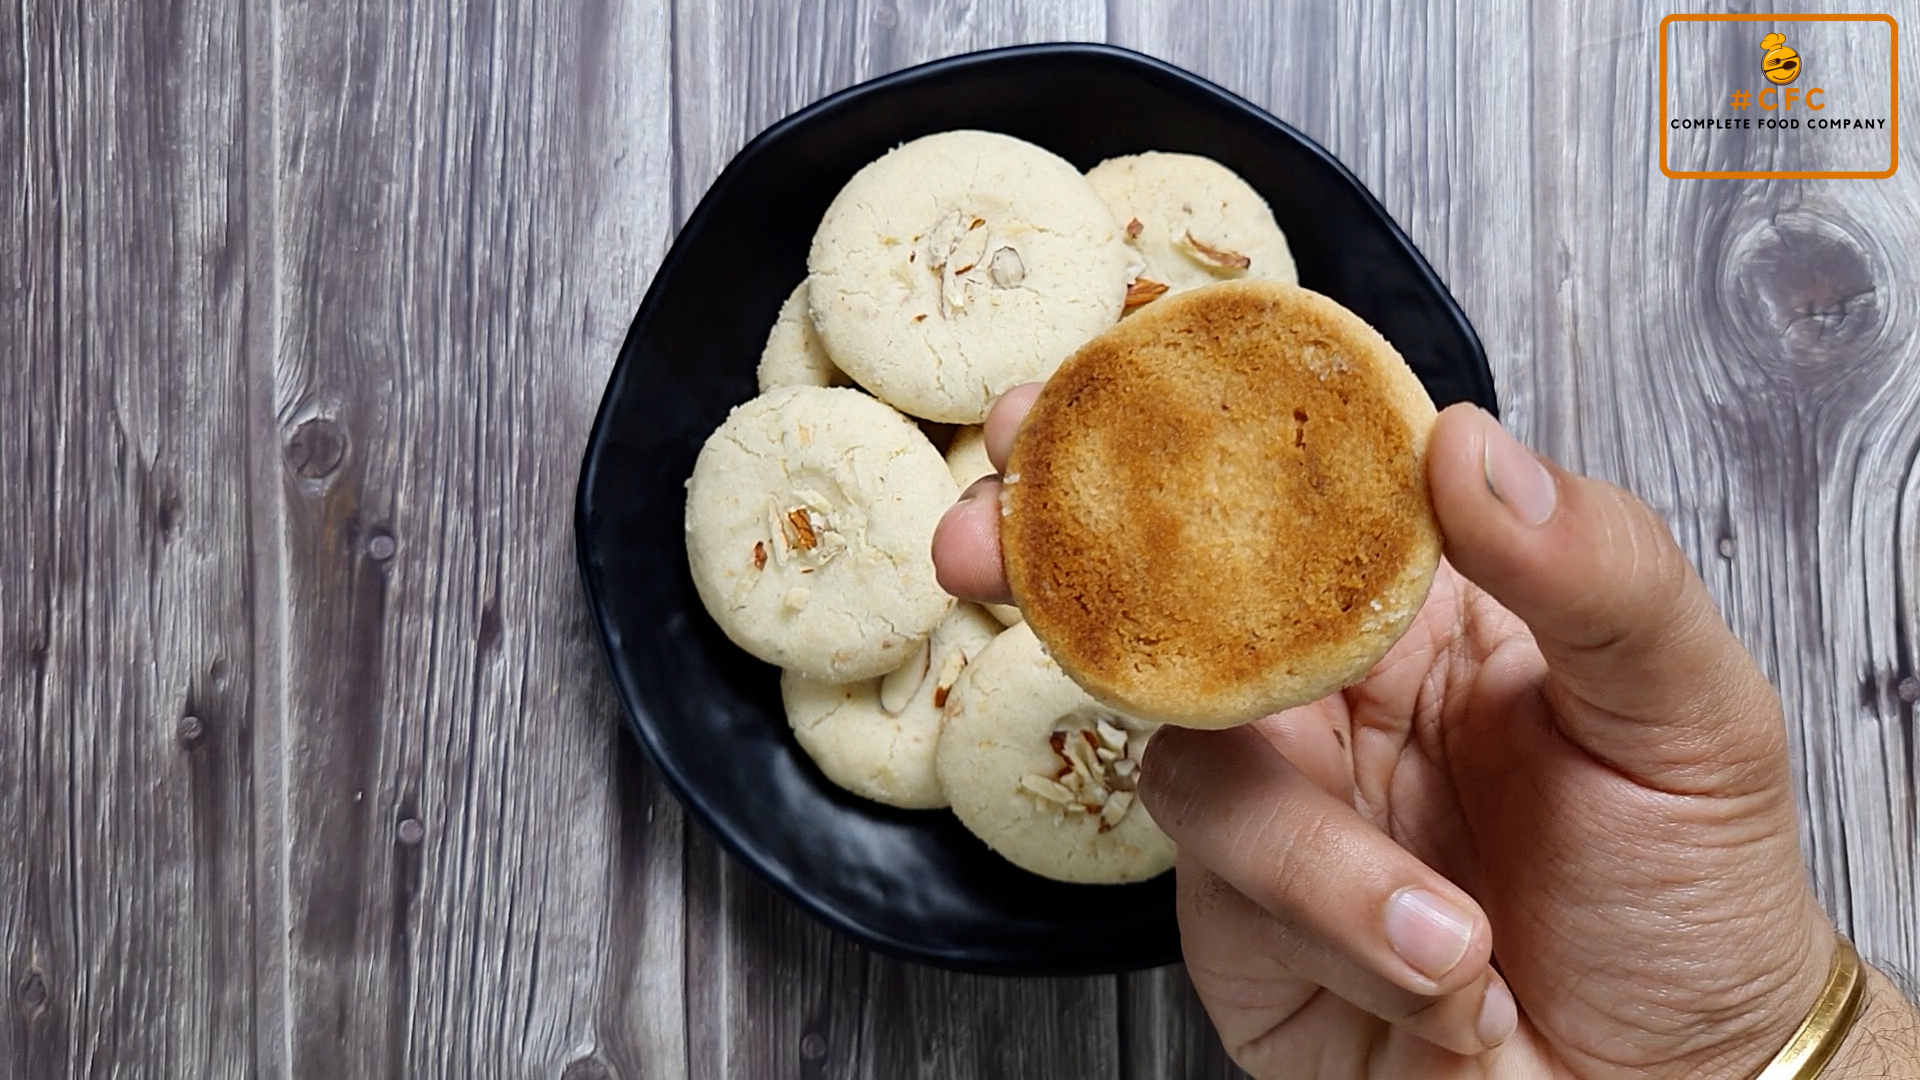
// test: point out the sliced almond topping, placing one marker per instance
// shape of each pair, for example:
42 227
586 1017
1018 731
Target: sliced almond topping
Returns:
950 670
1213 256
968 252
1095 770
1047 790
953 292
898 687
1142 291
1080 756
940 241
803 535
1006 269
1133 228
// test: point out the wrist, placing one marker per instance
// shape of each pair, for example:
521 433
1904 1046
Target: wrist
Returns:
1779 1015
1885 1040
1782 994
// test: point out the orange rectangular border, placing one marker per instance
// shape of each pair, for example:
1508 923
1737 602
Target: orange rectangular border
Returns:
1894 161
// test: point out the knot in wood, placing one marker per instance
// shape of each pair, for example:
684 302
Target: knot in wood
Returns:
588 1068
812 1046
31 992
316 449
1802 288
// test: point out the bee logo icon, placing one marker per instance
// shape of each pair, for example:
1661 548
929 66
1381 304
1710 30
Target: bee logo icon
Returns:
1782 65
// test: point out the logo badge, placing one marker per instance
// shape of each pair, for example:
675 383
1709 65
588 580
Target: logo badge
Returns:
1781 65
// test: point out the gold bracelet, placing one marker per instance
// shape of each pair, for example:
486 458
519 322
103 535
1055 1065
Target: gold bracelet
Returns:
1819 1036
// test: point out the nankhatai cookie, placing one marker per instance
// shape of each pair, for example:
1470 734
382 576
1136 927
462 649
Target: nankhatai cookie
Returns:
793 355
809 517
1191 221
1044 774
959 266
876 737
1218 509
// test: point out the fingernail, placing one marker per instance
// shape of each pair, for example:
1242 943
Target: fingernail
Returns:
978 488
1516 477
1427 932
1498 1015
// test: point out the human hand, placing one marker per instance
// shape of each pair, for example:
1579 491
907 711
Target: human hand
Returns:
1551 833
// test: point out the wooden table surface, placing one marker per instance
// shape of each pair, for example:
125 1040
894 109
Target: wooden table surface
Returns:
311 767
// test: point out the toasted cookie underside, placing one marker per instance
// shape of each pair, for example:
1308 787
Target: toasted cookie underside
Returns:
1218 509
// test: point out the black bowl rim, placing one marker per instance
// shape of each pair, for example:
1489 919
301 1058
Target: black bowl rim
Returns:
629 699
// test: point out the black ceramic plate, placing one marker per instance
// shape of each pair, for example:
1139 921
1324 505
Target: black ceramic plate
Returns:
913 884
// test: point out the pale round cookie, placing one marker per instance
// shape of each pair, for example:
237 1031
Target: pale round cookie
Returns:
1191 221
876 737
959 266
1218 509
967 457
809 518
793 355
1044 774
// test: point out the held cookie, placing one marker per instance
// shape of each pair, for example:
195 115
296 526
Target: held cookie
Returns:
1191 221
793 355
1218 509
809 518
876 738
1044 774
959 266
967 457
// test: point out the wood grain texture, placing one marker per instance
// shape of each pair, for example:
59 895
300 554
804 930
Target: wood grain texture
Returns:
1741 353
125 669
483 876
306 311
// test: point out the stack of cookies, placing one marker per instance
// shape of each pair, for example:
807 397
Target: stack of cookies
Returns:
954 268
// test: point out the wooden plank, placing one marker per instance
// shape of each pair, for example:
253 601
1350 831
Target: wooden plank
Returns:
1735 352
126 639
1164 1029
742 65
771 993
482 875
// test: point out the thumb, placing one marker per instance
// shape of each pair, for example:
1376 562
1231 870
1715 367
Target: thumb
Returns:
1643 673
